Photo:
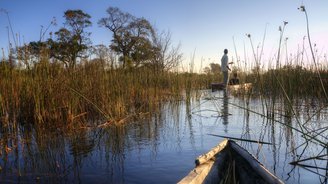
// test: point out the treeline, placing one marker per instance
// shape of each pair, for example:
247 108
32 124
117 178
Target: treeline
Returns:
135 42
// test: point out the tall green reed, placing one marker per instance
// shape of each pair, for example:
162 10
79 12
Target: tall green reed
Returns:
48 94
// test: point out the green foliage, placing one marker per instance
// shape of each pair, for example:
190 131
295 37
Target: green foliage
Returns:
215 68
133 38
73 40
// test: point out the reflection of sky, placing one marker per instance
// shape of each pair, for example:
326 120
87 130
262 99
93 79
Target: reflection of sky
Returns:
206 27
163 149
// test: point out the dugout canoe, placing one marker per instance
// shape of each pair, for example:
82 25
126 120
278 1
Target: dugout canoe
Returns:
235 88
229 163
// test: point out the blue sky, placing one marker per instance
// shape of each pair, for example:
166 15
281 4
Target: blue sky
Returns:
201 27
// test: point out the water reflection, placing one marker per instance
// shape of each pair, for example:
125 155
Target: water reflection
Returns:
161 147
189 120
225 110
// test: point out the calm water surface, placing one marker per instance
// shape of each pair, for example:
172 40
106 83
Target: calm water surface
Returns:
162 149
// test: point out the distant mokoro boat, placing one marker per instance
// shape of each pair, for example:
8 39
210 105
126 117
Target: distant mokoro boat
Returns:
229 163
235 88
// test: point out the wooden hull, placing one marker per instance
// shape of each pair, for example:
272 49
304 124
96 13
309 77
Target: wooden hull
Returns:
217 86
229 163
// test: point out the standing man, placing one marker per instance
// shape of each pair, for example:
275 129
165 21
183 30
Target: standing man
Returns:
225 66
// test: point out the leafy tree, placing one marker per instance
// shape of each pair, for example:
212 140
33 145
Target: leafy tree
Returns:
72 41
207 70
215 68
132 37
138 42
33 52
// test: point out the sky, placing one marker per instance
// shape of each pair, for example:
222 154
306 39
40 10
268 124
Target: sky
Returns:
202 28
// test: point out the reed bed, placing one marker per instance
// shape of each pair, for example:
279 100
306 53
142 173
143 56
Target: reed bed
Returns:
51 95
297 81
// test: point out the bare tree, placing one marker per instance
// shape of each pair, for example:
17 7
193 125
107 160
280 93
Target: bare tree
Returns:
168 56
104 54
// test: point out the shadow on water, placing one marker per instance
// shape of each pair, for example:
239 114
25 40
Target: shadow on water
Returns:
161 147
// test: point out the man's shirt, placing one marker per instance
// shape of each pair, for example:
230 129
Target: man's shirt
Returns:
224 63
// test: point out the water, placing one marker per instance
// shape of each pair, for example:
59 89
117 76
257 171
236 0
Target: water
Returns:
162 149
